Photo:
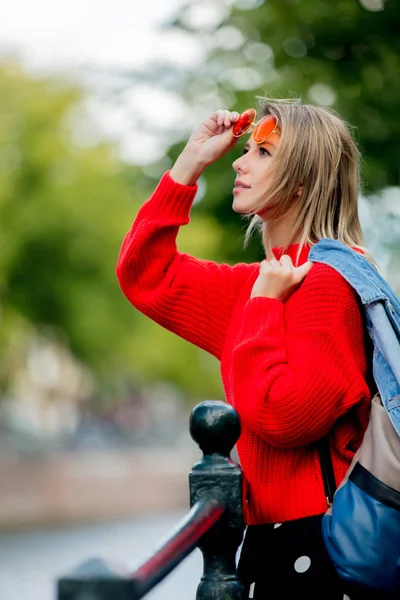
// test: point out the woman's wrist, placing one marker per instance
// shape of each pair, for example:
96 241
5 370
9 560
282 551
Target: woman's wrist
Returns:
187 169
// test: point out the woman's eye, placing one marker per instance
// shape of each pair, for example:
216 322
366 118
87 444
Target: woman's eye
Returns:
262 151
265 151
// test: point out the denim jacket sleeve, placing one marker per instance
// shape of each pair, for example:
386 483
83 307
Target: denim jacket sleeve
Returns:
382 315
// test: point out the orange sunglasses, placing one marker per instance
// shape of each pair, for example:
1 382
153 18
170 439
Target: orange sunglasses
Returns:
262 130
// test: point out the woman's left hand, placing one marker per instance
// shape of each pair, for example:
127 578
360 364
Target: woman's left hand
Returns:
279 279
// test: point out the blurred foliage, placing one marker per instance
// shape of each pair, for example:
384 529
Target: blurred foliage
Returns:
65 204
66 201
344 55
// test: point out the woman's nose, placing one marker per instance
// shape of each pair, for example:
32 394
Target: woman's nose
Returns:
239 164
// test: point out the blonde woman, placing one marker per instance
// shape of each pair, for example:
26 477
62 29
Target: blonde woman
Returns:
289 335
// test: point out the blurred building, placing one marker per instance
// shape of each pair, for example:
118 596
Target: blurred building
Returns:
48 386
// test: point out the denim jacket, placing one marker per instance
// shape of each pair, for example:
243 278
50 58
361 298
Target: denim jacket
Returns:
382 316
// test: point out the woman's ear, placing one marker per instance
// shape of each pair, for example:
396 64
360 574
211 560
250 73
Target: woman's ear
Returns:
300 189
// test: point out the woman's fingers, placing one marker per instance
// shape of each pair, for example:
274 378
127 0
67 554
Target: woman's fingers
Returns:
286 264
279 278
275 265
285 260
226 118
302 271
265 266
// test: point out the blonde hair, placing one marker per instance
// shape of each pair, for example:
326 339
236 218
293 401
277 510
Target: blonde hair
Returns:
317 153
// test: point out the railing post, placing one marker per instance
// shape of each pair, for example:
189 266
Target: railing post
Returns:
215 426
214 524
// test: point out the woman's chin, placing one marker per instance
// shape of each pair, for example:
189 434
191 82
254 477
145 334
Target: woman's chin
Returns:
241 208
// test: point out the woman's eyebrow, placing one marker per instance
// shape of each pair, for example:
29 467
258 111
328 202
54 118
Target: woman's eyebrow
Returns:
247 146
269 143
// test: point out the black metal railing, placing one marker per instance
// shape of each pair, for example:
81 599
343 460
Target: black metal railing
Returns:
214 525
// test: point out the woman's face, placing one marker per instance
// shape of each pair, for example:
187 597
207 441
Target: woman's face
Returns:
253 173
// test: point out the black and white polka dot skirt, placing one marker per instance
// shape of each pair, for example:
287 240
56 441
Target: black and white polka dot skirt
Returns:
289 560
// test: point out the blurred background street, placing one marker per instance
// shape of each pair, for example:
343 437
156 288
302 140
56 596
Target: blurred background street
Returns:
97 99
31 562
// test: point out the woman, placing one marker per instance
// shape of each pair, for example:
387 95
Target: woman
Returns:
289 334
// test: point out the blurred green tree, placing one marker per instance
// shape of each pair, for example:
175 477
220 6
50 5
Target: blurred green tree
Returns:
344 55
65 203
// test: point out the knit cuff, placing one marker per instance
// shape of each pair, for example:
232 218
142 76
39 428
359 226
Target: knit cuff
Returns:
172 198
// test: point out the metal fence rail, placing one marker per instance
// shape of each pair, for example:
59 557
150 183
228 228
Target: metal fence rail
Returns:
214 524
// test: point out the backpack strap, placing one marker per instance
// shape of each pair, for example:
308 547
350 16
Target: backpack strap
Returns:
328 474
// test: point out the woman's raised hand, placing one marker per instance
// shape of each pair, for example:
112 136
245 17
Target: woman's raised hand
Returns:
210 141
279 278
214 137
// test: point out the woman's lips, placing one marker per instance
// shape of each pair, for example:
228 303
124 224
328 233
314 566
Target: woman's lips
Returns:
240 186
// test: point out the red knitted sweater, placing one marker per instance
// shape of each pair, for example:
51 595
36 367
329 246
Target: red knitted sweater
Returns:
292 370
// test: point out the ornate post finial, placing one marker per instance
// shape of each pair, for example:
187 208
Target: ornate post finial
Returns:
215 427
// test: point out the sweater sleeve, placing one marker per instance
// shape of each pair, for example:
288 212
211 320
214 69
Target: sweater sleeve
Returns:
190 297
299 366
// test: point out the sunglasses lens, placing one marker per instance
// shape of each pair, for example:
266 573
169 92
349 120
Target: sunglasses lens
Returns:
244 122
264 129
